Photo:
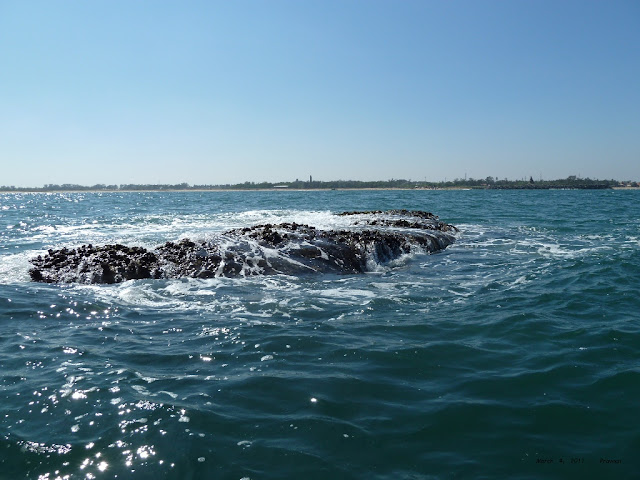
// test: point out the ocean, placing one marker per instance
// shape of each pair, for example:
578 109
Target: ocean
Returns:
513 353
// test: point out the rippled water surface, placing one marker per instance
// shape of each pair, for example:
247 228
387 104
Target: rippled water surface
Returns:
515 353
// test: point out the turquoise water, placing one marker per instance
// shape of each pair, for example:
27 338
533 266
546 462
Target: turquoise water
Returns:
515 353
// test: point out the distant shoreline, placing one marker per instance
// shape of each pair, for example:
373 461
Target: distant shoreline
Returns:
309 190
490 183
196 190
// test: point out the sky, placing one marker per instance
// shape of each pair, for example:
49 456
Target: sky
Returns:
217 92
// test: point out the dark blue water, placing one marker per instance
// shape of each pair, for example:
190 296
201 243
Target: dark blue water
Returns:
514 353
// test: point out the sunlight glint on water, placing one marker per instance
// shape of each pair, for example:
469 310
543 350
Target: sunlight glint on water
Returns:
520 342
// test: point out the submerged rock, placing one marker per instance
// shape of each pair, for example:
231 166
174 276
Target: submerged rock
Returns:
290 248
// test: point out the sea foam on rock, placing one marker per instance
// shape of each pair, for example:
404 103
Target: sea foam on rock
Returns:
288 248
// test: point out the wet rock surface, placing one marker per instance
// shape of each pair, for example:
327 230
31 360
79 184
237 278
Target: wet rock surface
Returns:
289 248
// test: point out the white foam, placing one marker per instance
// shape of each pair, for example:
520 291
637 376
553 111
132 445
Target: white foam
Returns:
348 293
15 267
151 230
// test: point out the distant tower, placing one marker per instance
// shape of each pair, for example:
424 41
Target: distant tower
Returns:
310 179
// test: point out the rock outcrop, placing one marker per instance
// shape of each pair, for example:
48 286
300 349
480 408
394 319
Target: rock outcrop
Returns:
289 248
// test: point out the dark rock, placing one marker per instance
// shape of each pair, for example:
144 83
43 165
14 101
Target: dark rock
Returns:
288 248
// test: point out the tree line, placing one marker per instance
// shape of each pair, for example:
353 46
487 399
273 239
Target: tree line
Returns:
572 182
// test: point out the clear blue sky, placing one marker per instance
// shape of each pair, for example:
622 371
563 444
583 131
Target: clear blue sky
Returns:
210 92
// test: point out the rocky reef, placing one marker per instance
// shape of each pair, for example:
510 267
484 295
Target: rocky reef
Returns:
370 238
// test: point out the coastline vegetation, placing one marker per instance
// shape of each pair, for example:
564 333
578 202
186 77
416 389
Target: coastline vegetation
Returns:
571 182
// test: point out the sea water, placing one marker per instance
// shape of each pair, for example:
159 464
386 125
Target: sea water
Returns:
514 353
